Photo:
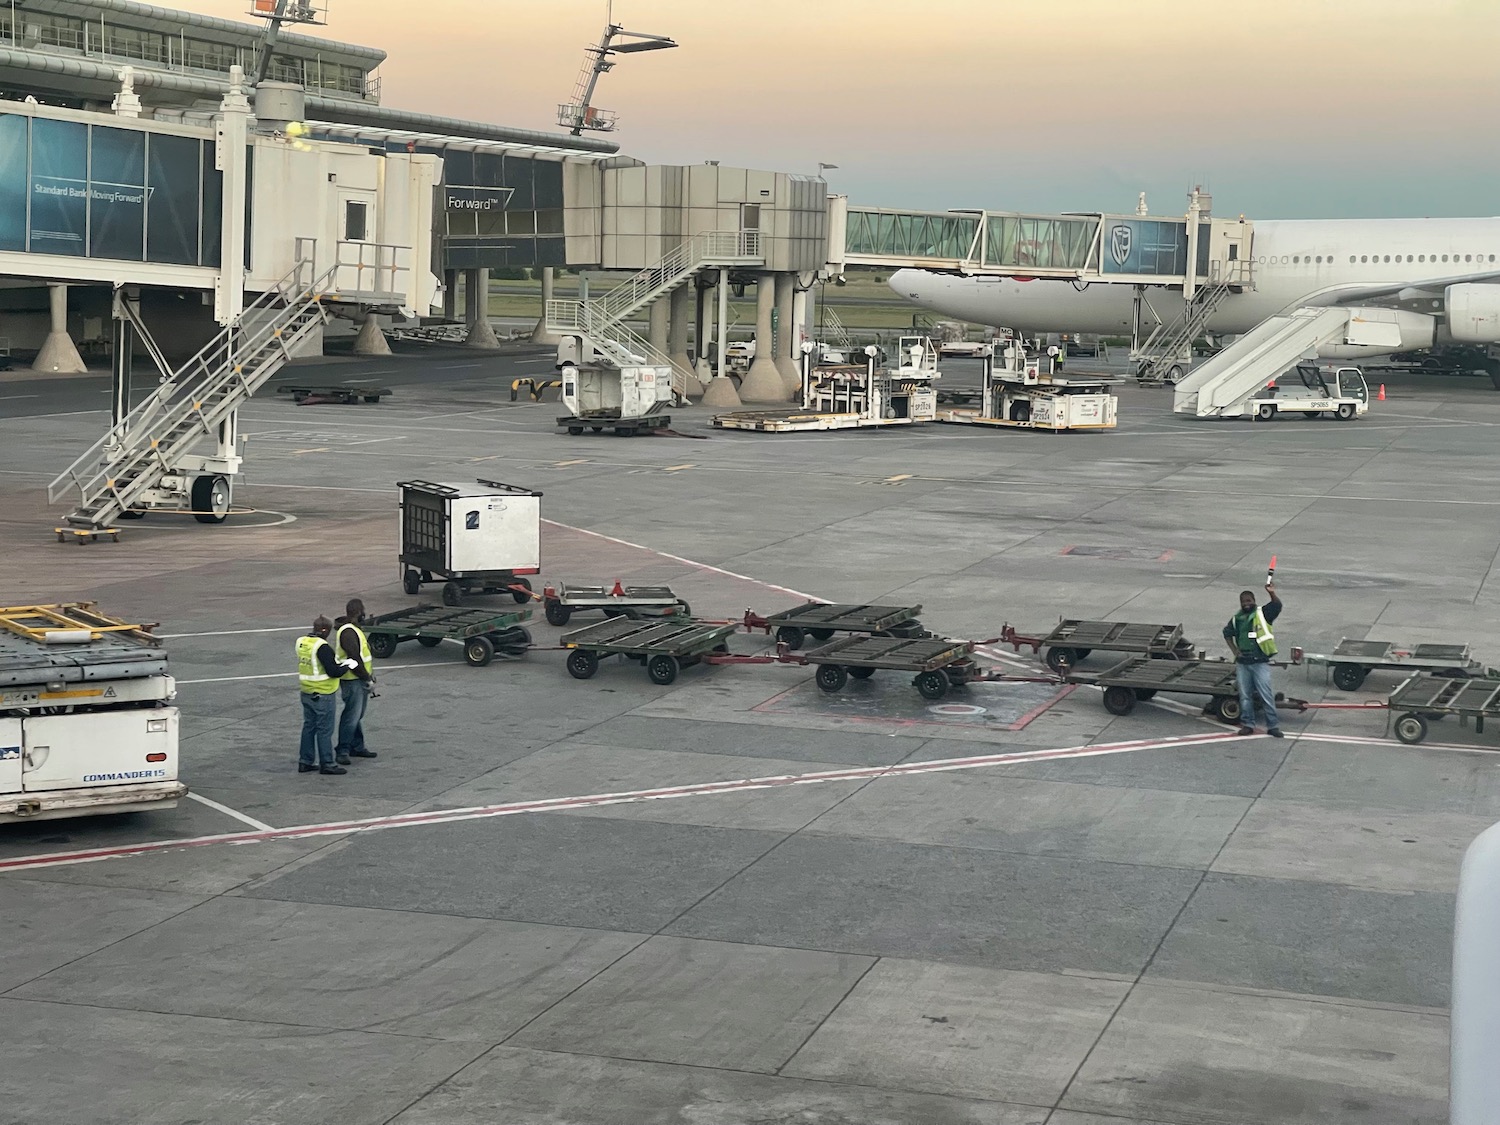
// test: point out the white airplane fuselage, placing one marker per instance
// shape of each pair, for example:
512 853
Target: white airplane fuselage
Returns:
1296 262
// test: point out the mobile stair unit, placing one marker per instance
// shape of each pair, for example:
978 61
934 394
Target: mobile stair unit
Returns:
150 459
1224 385
1168 352
86 717
596 326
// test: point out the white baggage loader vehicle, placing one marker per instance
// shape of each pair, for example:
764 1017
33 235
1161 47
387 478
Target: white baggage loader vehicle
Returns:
86 717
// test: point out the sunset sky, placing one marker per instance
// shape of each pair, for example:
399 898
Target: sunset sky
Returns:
1284 108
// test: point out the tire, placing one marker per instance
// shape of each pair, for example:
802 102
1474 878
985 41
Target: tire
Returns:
662 669
132 514
513 641
1061 660
411 582
478 651
453 593
558 614
1227 707
1311 413
382 645
575 431
518 595
1119 700
1348 677
582 663
682 609
211 495
1144 693
429 642
861 673
931 685
1081 653
791 636
1265 411
1174 373
1411 729
1344 412
831 677
820 635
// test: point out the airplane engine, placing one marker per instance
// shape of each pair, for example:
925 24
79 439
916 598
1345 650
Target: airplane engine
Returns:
1473 313
1380 331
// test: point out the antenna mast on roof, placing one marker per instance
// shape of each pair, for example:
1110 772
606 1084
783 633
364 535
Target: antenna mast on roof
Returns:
276 13
578 114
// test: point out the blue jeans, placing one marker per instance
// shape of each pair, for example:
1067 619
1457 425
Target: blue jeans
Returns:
318 713
356 695
1255 684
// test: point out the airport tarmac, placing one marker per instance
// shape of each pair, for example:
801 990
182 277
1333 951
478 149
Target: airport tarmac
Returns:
735 899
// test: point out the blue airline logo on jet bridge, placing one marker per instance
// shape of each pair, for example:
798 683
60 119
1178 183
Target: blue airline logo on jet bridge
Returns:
7 752
1119 244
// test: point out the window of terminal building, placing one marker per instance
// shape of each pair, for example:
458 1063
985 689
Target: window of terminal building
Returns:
284 69
200 54
53 30
129 42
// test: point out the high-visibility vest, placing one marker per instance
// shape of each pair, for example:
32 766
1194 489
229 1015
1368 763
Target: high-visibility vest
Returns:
310 671
364 648
1260 633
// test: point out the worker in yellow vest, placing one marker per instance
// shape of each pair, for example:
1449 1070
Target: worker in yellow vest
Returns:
318 671
1253 644
355 685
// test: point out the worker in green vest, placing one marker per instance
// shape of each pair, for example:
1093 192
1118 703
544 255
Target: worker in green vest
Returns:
355 685
318 672
1250 639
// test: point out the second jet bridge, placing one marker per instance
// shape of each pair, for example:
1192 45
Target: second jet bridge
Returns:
1093 247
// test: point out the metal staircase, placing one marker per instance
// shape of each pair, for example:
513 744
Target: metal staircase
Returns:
600 321
1170 343
834 328
153 441
1219 386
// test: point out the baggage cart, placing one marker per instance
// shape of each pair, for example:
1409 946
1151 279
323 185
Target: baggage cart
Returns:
821 620
1422 700
664 646
1352 661
563 601
1073 641
340 393
481 632
482 537
1141 677
935 662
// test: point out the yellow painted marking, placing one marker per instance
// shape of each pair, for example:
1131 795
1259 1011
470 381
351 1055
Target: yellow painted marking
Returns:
675 468
70 694
565 464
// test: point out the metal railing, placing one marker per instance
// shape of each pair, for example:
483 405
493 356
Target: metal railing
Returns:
371 267
726 247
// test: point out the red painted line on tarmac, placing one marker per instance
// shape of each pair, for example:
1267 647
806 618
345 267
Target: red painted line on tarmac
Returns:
561 804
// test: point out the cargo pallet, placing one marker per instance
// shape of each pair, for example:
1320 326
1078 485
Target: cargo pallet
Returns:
821 620
1072 641
481 632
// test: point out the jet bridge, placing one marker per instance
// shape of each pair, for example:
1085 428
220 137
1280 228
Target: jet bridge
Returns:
1085 248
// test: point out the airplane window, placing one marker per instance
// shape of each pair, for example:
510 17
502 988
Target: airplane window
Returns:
1320 258
1445 257
1387 257
1351 259
1408 257
1295 259
1283 259
1362 258
1492 257
1421 257
1468 258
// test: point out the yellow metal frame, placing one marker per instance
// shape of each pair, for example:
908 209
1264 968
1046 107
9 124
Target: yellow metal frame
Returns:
34 622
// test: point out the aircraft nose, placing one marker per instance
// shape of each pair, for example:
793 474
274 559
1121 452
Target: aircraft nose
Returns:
912 285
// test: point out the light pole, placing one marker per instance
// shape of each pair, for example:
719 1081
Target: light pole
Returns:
825 168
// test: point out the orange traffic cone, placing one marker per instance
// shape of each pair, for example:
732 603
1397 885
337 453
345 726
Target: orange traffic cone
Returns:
1381 396
618 591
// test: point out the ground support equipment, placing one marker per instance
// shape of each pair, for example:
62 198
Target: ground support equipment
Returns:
821 620
1031 394
624 427
563 601
1351 661
936 663
535 388
482 537
344 395
83 536
664 646
481 632
1141 677
628 398
1422 700
853 397
1072 641
87 723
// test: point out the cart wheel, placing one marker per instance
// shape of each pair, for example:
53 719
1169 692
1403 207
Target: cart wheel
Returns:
1081 654
662 669
1311 413
453 593
831 677
1119 700
429 642
1411 729
478 651
1344 412
861 673
525 585
1061 660
411 582
382 645
683 610
792 637
1265 412
1451 673
575 430
513 641
1227 707
582 663
820 634
1348 677
1144 693
931 685
558 614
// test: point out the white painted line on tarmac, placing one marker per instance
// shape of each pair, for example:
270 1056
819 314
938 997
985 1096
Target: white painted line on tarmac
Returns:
288 675
227 811
1395 743
598 800
232 632
455 366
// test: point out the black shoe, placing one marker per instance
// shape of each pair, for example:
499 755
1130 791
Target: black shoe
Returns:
332 769
303 767
342 759
1245 730
1275 732
363 754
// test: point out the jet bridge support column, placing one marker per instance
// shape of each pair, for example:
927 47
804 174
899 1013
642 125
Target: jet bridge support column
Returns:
787 337
763 382
539 334
720 392
477 308
59 355
681 312
371 340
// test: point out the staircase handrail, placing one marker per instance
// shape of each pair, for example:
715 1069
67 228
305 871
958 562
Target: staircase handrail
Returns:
686 256
168 403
